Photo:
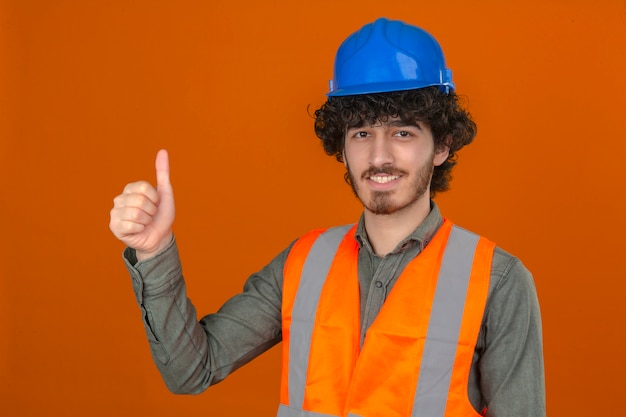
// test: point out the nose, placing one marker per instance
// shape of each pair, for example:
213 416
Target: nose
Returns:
381 151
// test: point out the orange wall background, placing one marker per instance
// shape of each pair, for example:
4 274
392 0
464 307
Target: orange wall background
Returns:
90 90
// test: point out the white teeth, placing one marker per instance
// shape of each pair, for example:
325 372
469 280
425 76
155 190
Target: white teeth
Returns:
383 179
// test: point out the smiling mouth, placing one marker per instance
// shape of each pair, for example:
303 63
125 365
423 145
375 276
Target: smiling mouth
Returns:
383 179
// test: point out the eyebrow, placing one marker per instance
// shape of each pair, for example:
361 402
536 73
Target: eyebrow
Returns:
392 123
400 123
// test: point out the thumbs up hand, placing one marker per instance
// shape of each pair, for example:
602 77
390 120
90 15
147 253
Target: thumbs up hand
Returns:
142 216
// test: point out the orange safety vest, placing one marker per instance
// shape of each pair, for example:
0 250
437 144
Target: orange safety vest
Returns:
416 357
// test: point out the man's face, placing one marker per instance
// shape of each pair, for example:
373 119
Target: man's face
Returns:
391 164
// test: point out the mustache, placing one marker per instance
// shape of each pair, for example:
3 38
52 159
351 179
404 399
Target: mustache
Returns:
384 170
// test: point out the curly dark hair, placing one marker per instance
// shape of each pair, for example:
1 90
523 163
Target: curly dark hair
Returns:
450 124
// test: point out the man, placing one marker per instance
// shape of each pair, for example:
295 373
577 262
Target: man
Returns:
402 314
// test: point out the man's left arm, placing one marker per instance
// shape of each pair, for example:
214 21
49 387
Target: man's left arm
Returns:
511 364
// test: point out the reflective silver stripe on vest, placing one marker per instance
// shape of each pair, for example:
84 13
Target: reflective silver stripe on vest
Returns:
445 324
314 272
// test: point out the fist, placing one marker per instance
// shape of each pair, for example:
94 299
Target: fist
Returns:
142 216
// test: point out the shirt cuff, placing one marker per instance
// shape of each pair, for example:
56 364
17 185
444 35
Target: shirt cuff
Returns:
156 275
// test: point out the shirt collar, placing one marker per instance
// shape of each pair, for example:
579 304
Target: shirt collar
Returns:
420 236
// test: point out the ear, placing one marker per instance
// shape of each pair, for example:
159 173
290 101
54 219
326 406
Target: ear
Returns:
442 152
343 157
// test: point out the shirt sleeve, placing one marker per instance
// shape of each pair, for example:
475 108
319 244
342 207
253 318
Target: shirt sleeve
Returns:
511 362
191 355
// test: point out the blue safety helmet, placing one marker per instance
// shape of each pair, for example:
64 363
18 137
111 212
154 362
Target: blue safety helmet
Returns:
389 55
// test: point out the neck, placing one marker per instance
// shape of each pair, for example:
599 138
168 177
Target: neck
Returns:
385 232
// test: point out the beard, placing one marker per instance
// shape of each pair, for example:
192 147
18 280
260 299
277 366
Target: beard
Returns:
383 202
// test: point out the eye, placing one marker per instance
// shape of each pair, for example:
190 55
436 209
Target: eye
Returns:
403 134
359 134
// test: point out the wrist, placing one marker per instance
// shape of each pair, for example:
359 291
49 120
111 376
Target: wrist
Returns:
142 255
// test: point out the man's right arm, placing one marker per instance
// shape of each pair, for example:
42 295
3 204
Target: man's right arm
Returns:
192 355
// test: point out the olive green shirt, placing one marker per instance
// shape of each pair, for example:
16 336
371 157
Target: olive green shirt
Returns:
506 378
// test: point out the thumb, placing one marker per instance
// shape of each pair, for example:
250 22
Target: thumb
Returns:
165 215
162 165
